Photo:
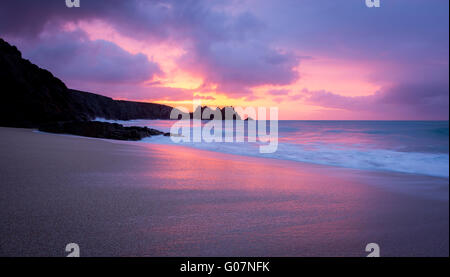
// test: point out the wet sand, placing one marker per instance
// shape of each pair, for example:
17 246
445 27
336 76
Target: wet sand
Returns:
137 199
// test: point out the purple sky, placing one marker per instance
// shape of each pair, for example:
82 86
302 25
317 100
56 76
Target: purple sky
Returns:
315 59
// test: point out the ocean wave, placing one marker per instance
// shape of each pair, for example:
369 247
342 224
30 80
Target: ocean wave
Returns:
431 164
407 147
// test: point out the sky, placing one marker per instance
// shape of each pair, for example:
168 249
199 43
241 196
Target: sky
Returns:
313 59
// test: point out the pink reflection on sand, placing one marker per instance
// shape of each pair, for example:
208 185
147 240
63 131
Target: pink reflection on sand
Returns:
213 170
203 203
239 205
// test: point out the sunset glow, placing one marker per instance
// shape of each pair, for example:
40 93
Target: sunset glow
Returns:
317 63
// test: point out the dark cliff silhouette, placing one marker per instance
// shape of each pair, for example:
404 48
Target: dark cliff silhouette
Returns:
32 96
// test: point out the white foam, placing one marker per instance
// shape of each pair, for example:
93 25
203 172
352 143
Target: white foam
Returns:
432 164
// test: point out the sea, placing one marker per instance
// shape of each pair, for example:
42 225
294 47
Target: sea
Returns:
415 147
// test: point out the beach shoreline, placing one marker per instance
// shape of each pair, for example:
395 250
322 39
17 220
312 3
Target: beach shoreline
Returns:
141 199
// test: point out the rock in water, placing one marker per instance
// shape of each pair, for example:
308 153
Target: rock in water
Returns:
97 129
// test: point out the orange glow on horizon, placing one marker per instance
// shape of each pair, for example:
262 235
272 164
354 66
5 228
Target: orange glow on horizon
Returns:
316 74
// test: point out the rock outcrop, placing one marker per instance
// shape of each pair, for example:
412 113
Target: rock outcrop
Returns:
210 111
97 129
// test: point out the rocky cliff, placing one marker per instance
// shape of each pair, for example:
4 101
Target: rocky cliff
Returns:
32 96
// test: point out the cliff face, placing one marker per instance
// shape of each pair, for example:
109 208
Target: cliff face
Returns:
94 105
32 96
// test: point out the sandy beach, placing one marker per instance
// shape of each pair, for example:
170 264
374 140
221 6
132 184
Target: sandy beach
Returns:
136 199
